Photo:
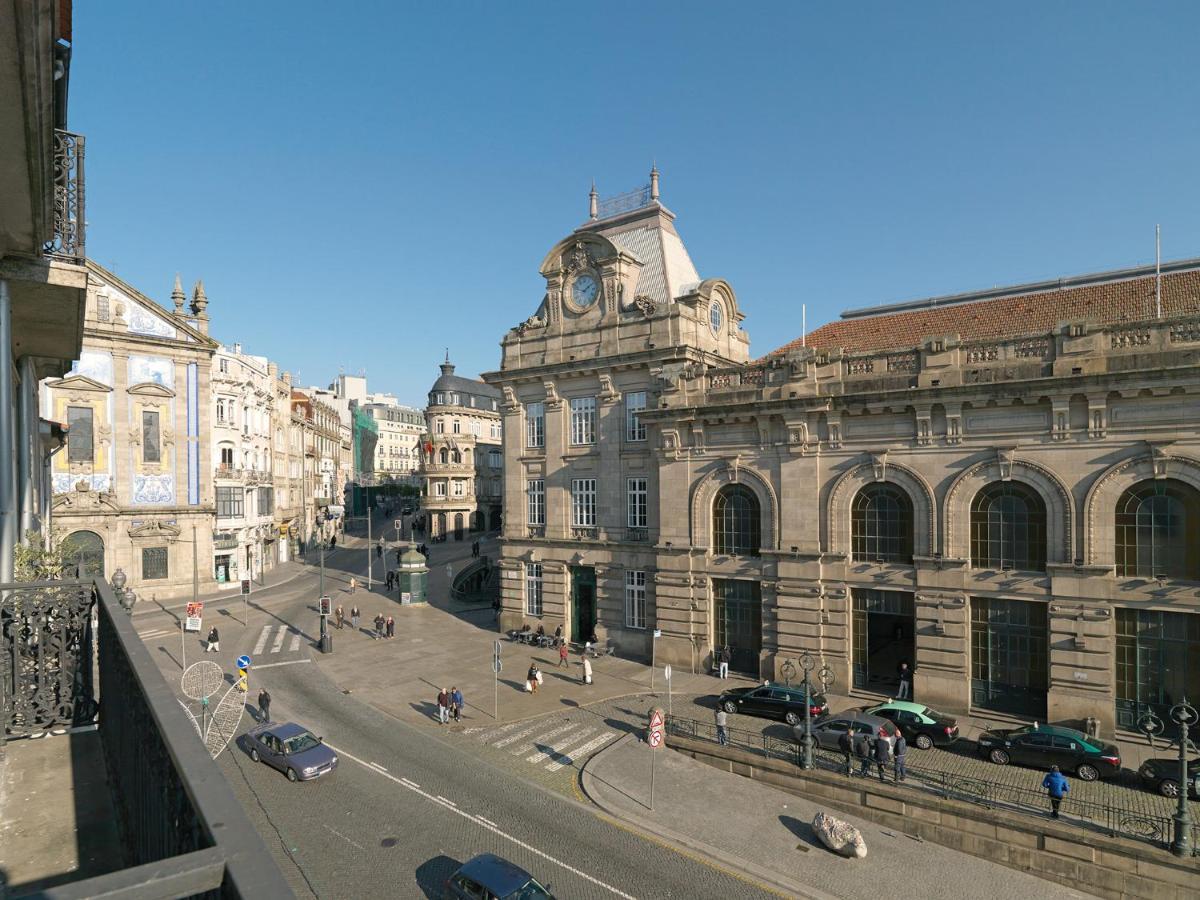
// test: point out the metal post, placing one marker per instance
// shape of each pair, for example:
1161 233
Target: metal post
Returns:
807 663
27 435
652 755
195 569
8 499
183 642
369 547
1183 715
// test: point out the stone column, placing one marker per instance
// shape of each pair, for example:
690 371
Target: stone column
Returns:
1081 663
942 639
557 478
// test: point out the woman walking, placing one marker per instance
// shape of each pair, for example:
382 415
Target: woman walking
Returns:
354 616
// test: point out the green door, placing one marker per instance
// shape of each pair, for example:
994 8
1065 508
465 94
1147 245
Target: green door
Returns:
583 603
1009 647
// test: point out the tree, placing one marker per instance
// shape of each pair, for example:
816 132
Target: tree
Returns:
33 562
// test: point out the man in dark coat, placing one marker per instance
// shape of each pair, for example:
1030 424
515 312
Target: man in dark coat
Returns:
862 749
901 750
846 745
883 754
264 705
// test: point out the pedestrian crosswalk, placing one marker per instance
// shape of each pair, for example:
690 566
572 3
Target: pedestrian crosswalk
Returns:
272 638
281 633
548 744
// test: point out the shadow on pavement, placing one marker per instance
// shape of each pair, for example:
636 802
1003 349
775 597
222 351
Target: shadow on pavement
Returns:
802 830
432 874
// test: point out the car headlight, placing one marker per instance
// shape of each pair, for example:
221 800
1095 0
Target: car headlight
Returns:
308 770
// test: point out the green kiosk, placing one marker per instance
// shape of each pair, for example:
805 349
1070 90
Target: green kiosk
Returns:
413 575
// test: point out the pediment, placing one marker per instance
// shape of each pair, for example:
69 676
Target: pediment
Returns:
151 389
79 383
155 530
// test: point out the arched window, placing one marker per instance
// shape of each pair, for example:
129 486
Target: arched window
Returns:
1008 528
737 521
83 553
455 456
881 525
1157 530
445 455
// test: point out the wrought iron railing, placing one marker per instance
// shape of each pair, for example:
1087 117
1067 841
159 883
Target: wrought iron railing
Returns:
626 202
1114 820
70 225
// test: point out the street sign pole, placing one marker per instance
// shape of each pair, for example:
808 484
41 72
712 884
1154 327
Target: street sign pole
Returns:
654 738
654 655
496 667
667 675
183 642
369 547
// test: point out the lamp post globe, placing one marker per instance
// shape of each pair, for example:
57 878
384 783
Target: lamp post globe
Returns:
118 580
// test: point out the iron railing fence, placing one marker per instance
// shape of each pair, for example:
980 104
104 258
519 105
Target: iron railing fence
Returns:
1114 820
70 225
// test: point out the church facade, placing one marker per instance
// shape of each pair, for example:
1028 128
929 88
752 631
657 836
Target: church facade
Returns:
1000 488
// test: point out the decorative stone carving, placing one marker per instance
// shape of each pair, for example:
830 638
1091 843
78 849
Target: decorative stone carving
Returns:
645 304
607 391
534 321
578 258
1158 457
1004 459
510 398
879 464
553 401
924 427
155 530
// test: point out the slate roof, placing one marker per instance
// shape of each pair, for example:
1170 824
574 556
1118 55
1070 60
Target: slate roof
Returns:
1105 298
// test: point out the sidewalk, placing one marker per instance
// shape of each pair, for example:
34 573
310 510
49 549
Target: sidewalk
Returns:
765 833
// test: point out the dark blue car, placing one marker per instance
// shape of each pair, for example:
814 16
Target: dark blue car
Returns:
292 749
488 875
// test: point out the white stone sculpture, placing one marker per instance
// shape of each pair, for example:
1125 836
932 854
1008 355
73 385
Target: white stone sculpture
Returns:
839 836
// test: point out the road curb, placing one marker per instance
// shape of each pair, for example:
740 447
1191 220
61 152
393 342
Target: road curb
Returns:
733 863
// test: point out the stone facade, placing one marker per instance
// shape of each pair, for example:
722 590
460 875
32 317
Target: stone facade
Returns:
397 457
325 443
1009 500
288 467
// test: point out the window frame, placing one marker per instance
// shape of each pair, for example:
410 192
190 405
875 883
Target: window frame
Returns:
535 501
151 436
635 599
727 538
233 510
160 556
993 527
535 425
534 590
637 502
635 428
76 452
583 421
583 502
873 528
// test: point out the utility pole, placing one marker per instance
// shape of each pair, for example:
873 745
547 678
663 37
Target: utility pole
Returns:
195 569
369 547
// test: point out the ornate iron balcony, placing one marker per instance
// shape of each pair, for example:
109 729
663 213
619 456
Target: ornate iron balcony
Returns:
69 221
585 534
637 535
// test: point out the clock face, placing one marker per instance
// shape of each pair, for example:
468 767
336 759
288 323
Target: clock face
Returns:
584 290
714 317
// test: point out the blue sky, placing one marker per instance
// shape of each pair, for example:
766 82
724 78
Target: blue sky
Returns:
359 192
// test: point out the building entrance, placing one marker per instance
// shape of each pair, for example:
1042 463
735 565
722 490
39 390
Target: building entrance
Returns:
85 551
1008 656
737 621
882 630
1158 663
583 603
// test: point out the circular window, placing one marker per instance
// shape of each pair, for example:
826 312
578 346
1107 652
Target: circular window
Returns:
715 315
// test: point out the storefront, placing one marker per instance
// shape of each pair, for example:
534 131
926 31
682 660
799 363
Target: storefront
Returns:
1009 648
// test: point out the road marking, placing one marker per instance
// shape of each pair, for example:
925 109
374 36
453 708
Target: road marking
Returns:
378 766
343 837
442 799
542 739
487 825
571 755
496 732
520 734
487 821
262 640
288 662
158 632
295 644
279 639
556 749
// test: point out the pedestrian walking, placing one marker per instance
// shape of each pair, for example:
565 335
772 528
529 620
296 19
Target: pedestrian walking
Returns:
862 749
456 703
333 542
214 641
353 585
587 671
264 705
1056 786
354 617
901 750
883 754
379 550
723 657
380 622
443 706
846 745
533 678
558 636
722 721
496 609
388 580
562 655
340 617
391 627
904 670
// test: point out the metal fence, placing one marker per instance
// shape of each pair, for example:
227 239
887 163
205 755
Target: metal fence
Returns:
70 222
183 832
1114 820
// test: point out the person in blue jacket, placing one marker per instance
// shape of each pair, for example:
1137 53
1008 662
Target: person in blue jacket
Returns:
1056 786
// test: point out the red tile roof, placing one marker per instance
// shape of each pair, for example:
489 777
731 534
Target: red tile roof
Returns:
1035 312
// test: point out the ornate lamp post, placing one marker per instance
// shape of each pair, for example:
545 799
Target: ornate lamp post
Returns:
1184 715
326 640
807 663
124 597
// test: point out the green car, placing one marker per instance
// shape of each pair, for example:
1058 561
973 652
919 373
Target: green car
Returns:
921 726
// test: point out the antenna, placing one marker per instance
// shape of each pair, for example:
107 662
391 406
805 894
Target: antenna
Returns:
1157 273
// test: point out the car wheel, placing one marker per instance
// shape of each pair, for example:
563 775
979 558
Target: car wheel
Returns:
1169 787
923 742
792 718
292 776
1087 772
999 757
730 706
254 755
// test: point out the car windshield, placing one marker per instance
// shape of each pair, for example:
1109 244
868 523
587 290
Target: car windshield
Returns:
300 743
530 891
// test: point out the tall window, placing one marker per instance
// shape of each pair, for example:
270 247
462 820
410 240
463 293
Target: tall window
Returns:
535 425
635 403
444 455
533 589
583 502
229 503
79 435
1158 530
881 521
494 459
636 502
737 523
1008 528
439 489
583 421
154 562
535 492
266 501
151 451
220 410
456 426
460 488
635 599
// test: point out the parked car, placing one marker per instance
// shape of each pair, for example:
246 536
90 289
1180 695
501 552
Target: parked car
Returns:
292 749
1162 775
1043 746
921 726
830 729
488 875
773 701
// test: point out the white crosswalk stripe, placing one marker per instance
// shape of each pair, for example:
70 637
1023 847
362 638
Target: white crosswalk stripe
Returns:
157 633
530 729
295 644
556 748
570 756
541 740
280 635
262 640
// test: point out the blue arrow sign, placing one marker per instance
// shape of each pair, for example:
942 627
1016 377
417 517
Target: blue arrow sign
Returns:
243 662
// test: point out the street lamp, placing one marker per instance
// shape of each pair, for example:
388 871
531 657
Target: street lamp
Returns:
1184 715
124 597
326 637
807 663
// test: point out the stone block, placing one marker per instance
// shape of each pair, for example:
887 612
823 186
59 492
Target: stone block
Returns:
1186 874
887 804
1101 880
1059 867
1019 837
1148 889
1072 849
922 813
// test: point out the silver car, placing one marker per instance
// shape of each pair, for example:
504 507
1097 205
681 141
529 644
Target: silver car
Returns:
829 730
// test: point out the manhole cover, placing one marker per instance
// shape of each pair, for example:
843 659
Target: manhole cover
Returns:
388 842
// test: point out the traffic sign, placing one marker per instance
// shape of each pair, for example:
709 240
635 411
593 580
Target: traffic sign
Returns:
656 719
654 734
243 662
399 524
326 605
245 585
195 612
656 739
667 671
497 666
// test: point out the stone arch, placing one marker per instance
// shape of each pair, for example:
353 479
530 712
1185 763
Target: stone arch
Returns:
706 489
850 482
1100 504
1059 509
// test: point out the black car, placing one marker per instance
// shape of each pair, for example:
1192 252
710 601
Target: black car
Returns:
1162 775
488 875
1043 746
921 726
773 701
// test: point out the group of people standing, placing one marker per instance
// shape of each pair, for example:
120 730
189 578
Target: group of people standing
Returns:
879 751
450 703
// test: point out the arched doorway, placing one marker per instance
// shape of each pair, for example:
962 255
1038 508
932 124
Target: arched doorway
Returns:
85 551
458 526
439 530
495 520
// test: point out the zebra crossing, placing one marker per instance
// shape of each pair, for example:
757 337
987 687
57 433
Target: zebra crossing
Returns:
551 745
272 638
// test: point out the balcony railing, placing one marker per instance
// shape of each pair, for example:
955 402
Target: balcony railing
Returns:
70 224
535 531
637 535
590 533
